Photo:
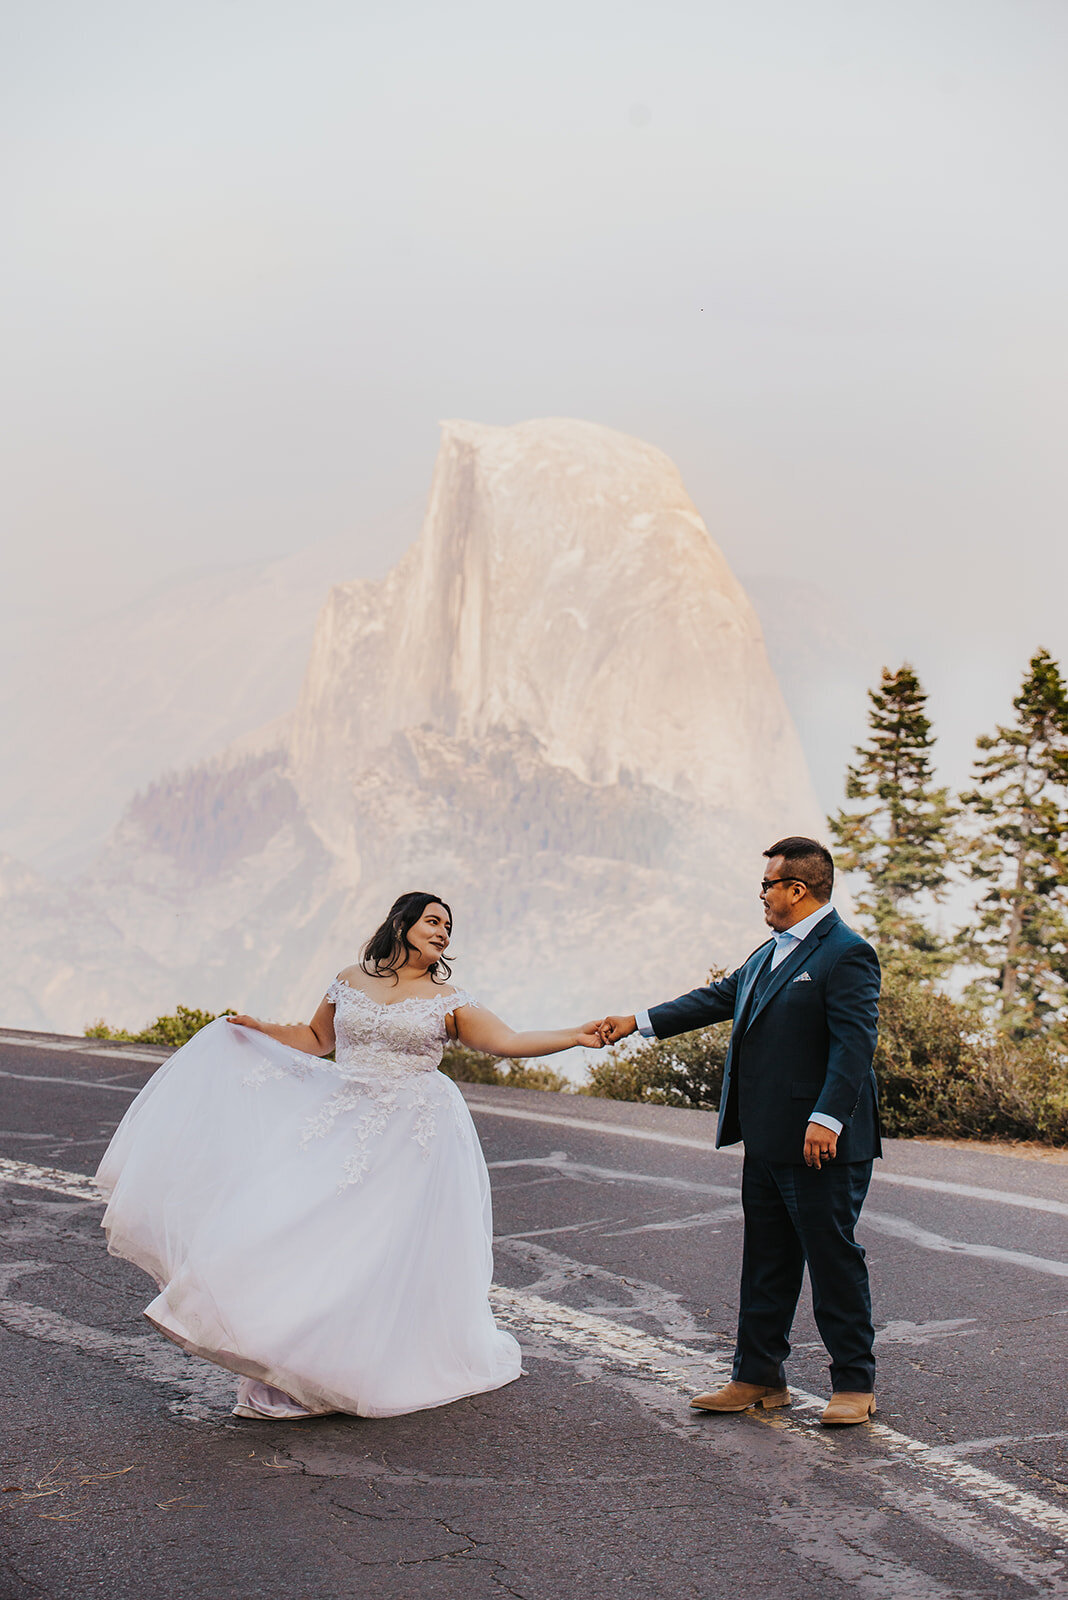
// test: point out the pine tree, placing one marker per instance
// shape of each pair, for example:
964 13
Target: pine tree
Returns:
1019 853
901 840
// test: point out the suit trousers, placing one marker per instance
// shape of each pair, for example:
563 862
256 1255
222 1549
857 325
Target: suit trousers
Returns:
797 1215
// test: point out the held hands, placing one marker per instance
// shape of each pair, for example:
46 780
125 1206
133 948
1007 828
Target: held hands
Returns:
821 1144
613 1029
595 1035
590 1035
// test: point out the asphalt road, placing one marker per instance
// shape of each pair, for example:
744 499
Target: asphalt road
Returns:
617 1259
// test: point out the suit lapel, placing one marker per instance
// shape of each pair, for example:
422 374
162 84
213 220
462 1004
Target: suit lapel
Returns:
793 964
757 963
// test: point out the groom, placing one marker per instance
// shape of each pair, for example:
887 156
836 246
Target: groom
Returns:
800 1090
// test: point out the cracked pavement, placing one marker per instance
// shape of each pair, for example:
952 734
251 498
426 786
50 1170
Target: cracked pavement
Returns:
124 1475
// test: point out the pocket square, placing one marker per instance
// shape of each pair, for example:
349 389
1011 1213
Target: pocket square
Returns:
802 977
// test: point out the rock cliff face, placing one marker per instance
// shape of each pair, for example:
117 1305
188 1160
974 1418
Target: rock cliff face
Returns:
564 588
556 712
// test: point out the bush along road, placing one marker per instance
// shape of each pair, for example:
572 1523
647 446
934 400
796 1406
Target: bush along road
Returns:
617 1251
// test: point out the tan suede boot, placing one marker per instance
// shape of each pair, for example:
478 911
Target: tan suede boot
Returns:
741 1396
846 1408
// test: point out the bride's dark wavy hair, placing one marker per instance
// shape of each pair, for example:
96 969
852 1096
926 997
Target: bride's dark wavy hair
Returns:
388 947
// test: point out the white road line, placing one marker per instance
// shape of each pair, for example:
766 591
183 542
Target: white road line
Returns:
968 1191
878 1222
74 1184
924 1239
664 1359
560 1162
75 1083
75 1047
588 1125
209 1391
674 1363
78 1187
972 1191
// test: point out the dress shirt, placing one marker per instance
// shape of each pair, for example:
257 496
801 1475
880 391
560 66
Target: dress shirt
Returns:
784 944
785 941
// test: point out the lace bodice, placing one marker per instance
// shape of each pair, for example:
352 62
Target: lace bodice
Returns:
385 1064
394 1039
387 1056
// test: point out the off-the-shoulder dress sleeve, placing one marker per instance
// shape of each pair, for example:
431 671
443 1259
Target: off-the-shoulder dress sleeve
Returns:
460 998
334 993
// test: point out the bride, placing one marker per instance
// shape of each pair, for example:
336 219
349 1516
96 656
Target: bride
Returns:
323 1228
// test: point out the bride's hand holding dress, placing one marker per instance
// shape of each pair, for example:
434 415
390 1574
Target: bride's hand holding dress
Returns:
323 1228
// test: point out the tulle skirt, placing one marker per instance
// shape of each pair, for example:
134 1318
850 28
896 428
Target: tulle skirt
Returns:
340 1255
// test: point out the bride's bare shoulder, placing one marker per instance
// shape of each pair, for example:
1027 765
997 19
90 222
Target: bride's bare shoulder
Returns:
355 977
461 995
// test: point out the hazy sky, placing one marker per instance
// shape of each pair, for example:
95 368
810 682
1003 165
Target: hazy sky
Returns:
816 250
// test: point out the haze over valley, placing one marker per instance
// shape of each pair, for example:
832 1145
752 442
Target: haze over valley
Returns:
557 711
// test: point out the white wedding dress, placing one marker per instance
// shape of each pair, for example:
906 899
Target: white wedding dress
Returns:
323 1228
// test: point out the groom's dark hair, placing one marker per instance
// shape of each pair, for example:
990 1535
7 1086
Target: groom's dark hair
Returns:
809 862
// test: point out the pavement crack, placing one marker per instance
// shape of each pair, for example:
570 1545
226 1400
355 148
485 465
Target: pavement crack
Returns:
354 1511
97 1283
472 1544
12 1568
506 1587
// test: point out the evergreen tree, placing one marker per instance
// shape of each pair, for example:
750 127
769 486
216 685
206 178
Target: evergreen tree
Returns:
901 838
1019 853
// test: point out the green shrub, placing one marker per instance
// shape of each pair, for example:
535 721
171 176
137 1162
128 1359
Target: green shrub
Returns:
474 1066
1039 1076
100 1030
685 1071
942 1072
470 1066
527 1075
176 1029
925 1061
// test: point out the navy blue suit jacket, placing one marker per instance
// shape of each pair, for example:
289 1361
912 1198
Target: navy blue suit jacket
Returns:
805 1045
